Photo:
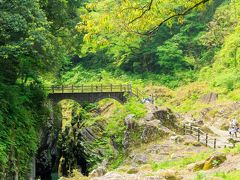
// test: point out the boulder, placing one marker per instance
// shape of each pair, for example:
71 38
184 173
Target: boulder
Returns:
100 171
152 131
208 98
214 161
166 117
177 139
149 132
149 117
209 163
132 170
198 166
164 114
129 122
169 175
140 159
148 129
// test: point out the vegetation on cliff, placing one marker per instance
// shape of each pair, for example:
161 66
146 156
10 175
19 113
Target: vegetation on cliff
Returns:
176 50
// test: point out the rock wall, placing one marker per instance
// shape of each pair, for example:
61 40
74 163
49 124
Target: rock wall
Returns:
157 123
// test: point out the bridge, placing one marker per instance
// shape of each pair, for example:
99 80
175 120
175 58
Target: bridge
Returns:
91 93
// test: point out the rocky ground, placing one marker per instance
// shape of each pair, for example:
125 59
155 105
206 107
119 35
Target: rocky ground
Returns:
176 157
163 152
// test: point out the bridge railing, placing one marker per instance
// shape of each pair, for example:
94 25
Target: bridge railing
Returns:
138 93
90 88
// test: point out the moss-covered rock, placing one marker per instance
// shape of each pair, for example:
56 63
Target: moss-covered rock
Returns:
132 171
169 175
214 161
198 166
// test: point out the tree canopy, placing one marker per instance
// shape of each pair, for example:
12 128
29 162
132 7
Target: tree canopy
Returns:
107 23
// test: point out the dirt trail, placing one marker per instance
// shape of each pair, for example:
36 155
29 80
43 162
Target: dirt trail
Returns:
223 137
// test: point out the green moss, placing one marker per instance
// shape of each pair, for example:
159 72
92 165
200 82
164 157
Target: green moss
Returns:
132 171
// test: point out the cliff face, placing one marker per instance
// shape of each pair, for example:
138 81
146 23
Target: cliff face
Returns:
73 139
47 153
82 137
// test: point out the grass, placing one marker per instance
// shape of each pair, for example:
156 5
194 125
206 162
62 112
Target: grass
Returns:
229 176
117 161
200 176
233 151
180 163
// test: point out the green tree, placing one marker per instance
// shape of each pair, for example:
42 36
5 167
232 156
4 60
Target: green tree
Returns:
27 47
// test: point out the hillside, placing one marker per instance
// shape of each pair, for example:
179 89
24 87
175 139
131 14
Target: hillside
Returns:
183 54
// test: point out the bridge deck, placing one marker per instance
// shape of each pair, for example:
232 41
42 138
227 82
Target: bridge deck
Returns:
90 88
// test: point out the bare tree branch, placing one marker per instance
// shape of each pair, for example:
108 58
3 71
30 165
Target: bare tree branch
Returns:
144 12
185 12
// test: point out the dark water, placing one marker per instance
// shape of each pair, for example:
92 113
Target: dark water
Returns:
54 176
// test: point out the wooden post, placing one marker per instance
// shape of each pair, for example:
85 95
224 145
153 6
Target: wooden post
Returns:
91 88
184 129
101 88
206 139
111 87
198 134
72 89
120 87
215 142
190 128
62 88
82 87
53 89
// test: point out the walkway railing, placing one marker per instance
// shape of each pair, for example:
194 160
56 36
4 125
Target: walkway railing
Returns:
200 135
90 88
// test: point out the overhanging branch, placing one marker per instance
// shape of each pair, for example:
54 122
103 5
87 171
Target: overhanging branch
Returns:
185 12
144 12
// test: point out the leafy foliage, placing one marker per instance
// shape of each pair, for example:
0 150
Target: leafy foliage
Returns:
28 49
224 71
22 113
142 42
